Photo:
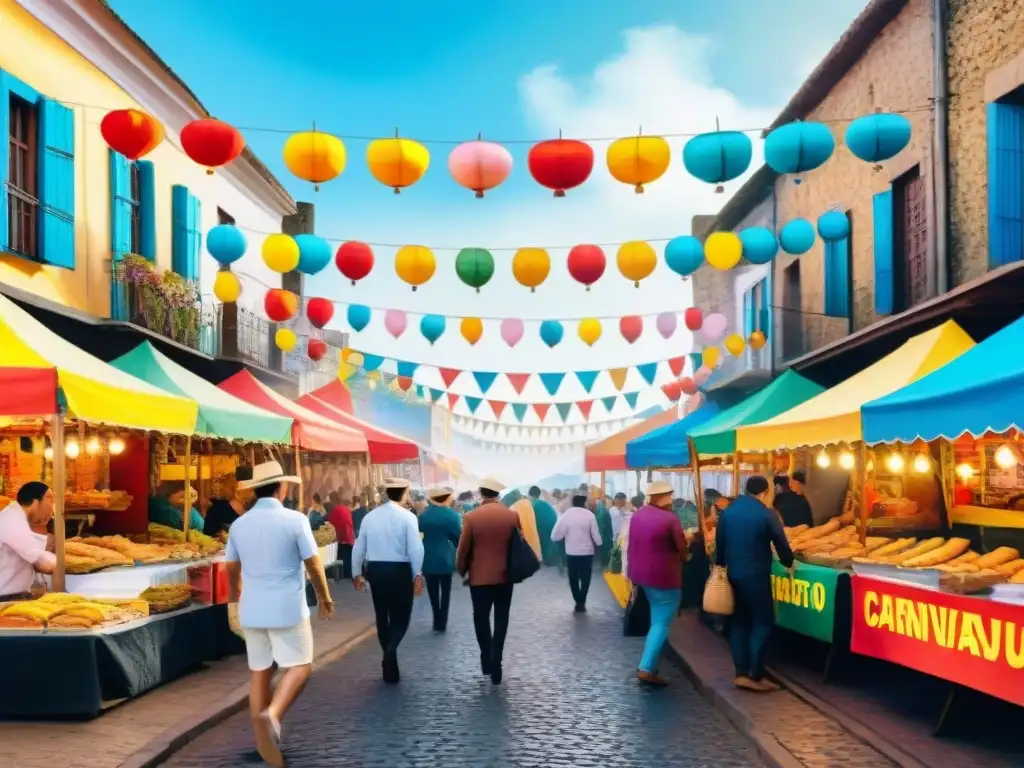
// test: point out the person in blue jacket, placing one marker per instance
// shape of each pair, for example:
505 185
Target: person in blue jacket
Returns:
441 527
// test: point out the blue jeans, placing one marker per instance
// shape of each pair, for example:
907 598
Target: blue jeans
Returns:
664 605
752 623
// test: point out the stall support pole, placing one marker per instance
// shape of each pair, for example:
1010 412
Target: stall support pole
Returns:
59 483
604 492
698 491
735 473
863 512
298 473
186 505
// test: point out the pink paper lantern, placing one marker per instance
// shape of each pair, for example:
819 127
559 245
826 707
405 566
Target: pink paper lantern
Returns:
512 331
713 330
667 324
395 321
480 165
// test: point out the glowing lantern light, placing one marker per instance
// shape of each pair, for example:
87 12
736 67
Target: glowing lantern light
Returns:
710 357
798 147
211 143
631 326
759 245
965 472
280 253
636 260
666 324
354 260
878 137
823 460
396 162
395 322
1005 457
638 160
472 329
116 446
586 264
757 340
723 250
432 327
285 339
833 226
415 264
530 267
895 463
316 350
560 164
480 165
358 316
734 344
693 319
72 449
718 157
319 311
551 332
314 254
847 460
922 464
589 331
797 237
227 287
280 305
226 244
314 156
684 255
475 267
131 132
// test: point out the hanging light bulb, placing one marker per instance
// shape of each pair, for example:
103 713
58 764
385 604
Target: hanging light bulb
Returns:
895 463
48 454
116 446
823 460
964 471
871 466
846 460
72 449
922 464
92 445
1005 457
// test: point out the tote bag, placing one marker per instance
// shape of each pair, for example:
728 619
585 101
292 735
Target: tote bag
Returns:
637 621
522 560
718 596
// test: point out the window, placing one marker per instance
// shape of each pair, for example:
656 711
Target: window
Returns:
22 187
223 217
838 282
135 204
1005 129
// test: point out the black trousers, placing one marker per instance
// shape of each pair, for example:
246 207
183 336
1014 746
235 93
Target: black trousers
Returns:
581 567
345 556
392 590
751 624
439 589
499 598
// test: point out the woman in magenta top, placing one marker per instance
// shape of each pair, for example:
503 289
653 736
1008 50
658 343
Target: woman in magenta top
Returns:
655 556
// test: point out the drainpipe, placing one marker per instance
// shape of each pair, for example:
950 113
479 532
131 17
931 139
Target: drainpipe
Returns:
940 185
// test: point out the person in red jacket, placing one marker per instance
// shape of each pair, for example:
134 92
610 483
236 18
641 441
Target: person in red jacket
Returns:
340 517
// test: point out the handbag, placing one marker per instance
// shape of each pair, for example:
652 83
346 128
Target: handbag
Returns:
637 621
718 597
522 560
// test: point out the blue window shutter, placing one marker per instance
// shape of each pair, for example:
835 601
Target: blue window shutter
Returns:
1005 127
120 206
57 188
748 312
764 319
147 208
195 237
5 119
883 236
179 229
837 278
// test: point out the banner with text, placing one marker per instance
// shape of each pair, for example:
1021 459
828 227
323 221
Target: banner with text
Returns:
806 603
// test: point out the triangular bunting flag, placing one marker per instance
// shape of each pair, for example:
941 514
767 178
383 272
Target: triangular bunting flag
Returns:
372 362
609 402
585 406
631 399
696 360
519 410
541 409
497 407
407 369
551 381
618 377
676 364
452 400
449 375
419 391
563 409
649 371
435 394
484 380
518 381
587 379
472 403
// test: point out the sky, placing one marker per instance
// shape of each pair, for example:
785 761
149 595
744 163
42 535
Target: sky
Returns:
446 72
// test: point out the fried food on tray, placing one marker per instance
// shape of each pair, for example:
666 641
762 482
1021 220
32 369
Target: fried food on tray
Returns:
79 548
20 622
61 598
998 556
939 555
32 609
67 621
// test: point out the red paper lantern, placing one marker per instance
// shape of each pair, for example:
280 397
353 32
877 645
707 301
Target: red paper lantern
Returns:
354 260
586 264
688 385
693 318
631 326
211 143
131 132
280 305
316 349
560 164
319 311
673 390
404 382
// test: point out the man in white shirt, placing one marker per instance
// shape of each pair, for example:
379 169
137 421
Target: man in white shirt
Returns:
270 551
390 548
23 553
577 527
617 512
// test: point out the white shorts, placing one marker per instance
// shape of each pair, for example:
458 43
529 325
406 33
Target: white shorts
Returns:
291 647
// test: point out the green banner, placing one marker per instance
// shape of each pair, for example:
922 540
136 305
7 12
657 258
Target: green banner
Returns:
806 602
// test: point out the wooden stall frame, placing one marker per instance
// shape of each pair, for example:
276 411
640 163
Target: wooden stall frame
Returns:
59 483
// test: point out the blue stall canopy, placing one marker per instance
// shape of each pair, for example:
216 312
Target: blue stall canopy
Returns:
980 391
666 447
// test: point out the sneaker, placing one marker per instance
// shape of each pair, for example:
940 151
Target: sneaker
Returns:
767 686
485 664
744 682
651 678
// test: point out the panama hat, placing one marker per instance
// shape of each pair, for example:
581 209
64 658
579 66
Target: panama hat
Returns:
268 473
492 485
438 492
658 488
396 483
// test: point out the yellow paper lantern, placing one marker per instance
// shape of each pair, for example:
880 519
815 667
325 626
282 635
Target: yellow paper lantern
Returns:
396 162
636 260
723 250
280 253
227 287
757 340
589 331
314 156
638 160
530 267
415 264
472 329
734 344
710 357
285 339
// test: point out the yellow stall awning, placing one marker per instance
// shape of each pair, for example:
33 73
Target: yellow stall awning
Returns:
834 415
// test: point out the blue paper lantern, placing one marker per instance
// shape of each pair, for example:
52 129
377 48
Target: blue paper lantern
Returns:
798 147
797 237
314 254
551 332
684 255
759 245
874 138
358 316
226 244
833 226
432 327
718 157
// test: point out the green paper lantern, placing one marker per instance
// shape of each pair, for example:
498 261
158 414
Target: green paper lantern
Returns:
475 267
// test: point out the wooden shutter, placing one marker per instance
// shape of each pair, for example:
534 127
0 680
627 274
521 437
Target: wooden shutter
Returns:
837 278
1005 127
57 183
883 252
147 208
120 231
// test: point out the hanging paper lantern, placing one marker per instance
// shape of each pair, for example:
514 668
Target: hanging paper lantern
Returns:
285 339
480 165
551 332
723 250
833 226
472 329
718 157
131 132
346 353
316 350
688 385
415 264
314 254
354 260
636 260
280 253
798 147
396 162
512 331
684 255
530 267
586 264
757 340
734 344
319 311
673 390
638 160
358 316
395 322
710 357
589 331
211 143
227 287
631 326
280 305
797 237
878 137
475 267
759 245
314 156
693 319
226 244
712 330
560 164
432 327
666 324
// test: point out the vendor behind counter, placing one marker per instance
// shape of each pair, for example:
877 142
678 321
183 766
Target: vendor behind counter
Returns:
165 508
23 553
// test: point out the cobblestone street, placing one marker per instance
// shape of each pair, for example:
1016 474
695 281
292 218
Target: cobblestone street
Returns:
569 699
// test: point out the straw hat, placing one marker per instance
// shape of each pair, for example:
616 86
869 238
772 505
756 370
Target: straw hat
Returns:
438 492
492 485
267 473
396 483
658 488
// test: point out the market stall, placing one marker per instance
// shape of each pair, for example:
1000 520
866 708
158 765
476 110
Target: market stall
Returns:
667 446
384 447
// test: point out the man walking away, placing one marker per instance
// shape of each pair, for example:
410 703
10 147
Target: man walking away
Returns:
340 517
546 518
483 555
577 527
792 504
390 547
441 527
746 531
268 549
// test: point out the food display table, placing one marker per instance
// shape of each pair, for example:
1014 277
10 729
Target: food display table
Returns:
128 582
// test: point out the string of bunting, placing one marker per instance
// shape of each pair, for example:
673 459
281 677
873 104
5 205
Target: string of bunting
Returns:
483 430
